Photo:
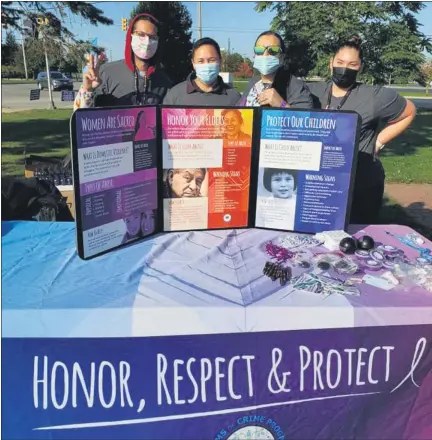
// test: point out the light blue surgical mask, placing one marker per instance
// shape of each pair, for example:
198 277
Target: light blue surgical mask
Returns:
207 73
266 64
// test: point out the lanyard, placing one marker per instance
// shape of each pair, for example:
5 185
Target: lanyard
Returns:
137 88
145 97
344 99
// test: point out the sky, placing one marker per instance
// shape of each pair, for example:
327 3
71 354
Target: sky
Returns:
234 23
220 20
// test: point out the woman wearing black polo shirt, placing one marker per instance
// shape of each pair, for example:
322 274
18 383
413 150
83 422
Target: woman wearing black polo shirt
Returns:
384 113
275 86
204 86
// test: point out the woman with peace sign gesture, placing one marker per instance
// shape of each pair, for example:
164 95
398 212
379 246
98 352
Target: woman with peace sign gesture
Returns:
136 80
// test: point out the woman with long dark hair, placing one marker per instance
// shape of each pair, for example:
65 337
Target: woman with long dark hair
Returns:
136 80
384 115
276 86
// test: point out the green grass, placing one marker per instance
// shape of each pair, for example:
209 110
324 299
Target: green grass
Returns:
393 213
416 94
40 132
240 85
18 81
408 159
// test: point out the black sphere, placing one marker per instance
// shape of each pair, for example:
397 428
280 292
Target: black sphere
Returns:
366 243
347 245
324 265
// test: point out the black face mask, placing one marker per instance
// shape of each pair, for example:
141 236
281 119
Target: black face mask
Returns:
344 77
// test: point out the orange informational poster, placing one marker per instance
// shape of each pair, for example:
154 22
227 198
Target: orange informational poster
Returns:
206 167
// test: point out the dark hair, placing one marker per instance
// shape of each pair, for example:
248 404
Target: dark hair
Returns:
355 42
275 34
203 42
283 75
232 110
270 172
149 18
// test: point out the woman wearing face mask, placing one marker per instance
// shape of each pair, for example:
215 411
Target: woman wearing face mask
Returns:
136 80
204 86
384 113
276 86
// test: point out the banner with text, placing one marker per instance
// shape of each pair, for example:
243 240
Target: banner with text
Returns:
372 382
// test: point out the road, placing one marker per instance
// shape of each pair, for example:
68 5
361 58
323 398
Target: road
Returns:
16 97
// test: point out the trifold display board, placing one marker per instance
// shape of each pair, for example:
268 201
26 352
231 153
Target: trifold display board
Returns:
139 171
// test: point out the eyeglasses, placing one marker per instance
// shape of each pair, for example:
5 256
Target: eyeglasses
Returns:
272 50
143 34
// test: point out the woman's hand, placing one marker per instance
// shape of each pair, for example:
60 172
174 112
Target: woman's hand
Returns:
270 97
91 79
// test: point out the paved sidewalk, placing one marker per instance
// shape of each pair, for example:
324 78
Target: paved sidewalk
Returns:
415 198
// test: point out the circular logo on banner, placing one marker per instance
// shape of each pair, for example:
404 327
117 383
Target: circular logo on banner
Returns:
252 432
251 427
227 218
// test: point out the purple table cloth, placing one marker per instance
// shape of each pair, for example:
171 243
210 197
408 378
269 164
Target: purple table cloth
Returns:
183 337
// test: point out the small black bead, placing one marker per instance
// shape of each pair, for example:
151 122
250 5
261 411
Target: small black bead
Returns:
323 265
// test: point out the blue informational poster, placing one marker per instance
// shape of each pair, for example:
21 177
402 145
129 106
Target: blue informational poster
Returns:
306 169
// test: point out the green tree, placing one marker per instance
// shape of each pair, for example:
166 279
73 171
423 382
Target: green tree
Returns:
175 36
9 49
402 55
43 24
74 57
35 55
15 14
392 41
426 69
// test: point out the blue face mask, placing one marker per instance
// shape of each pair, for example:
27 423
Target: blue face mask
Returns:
207 73
266 64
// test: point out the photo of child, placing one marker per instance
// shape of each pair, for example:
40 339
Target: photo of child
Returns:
277 198
280 183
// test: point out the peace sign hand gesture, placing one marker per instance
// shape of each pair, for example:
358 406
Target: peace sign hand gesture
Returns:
91 79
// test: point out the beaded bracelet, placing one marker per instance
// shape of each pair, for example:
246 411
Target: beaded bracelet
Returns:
84 99
278 253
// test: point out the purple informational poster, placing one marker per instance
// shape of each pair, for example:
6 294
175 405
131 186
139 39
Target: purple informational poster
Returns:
306 169
115 152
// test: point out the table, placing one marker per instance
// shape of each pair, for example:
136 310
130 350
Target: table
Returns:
183 337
